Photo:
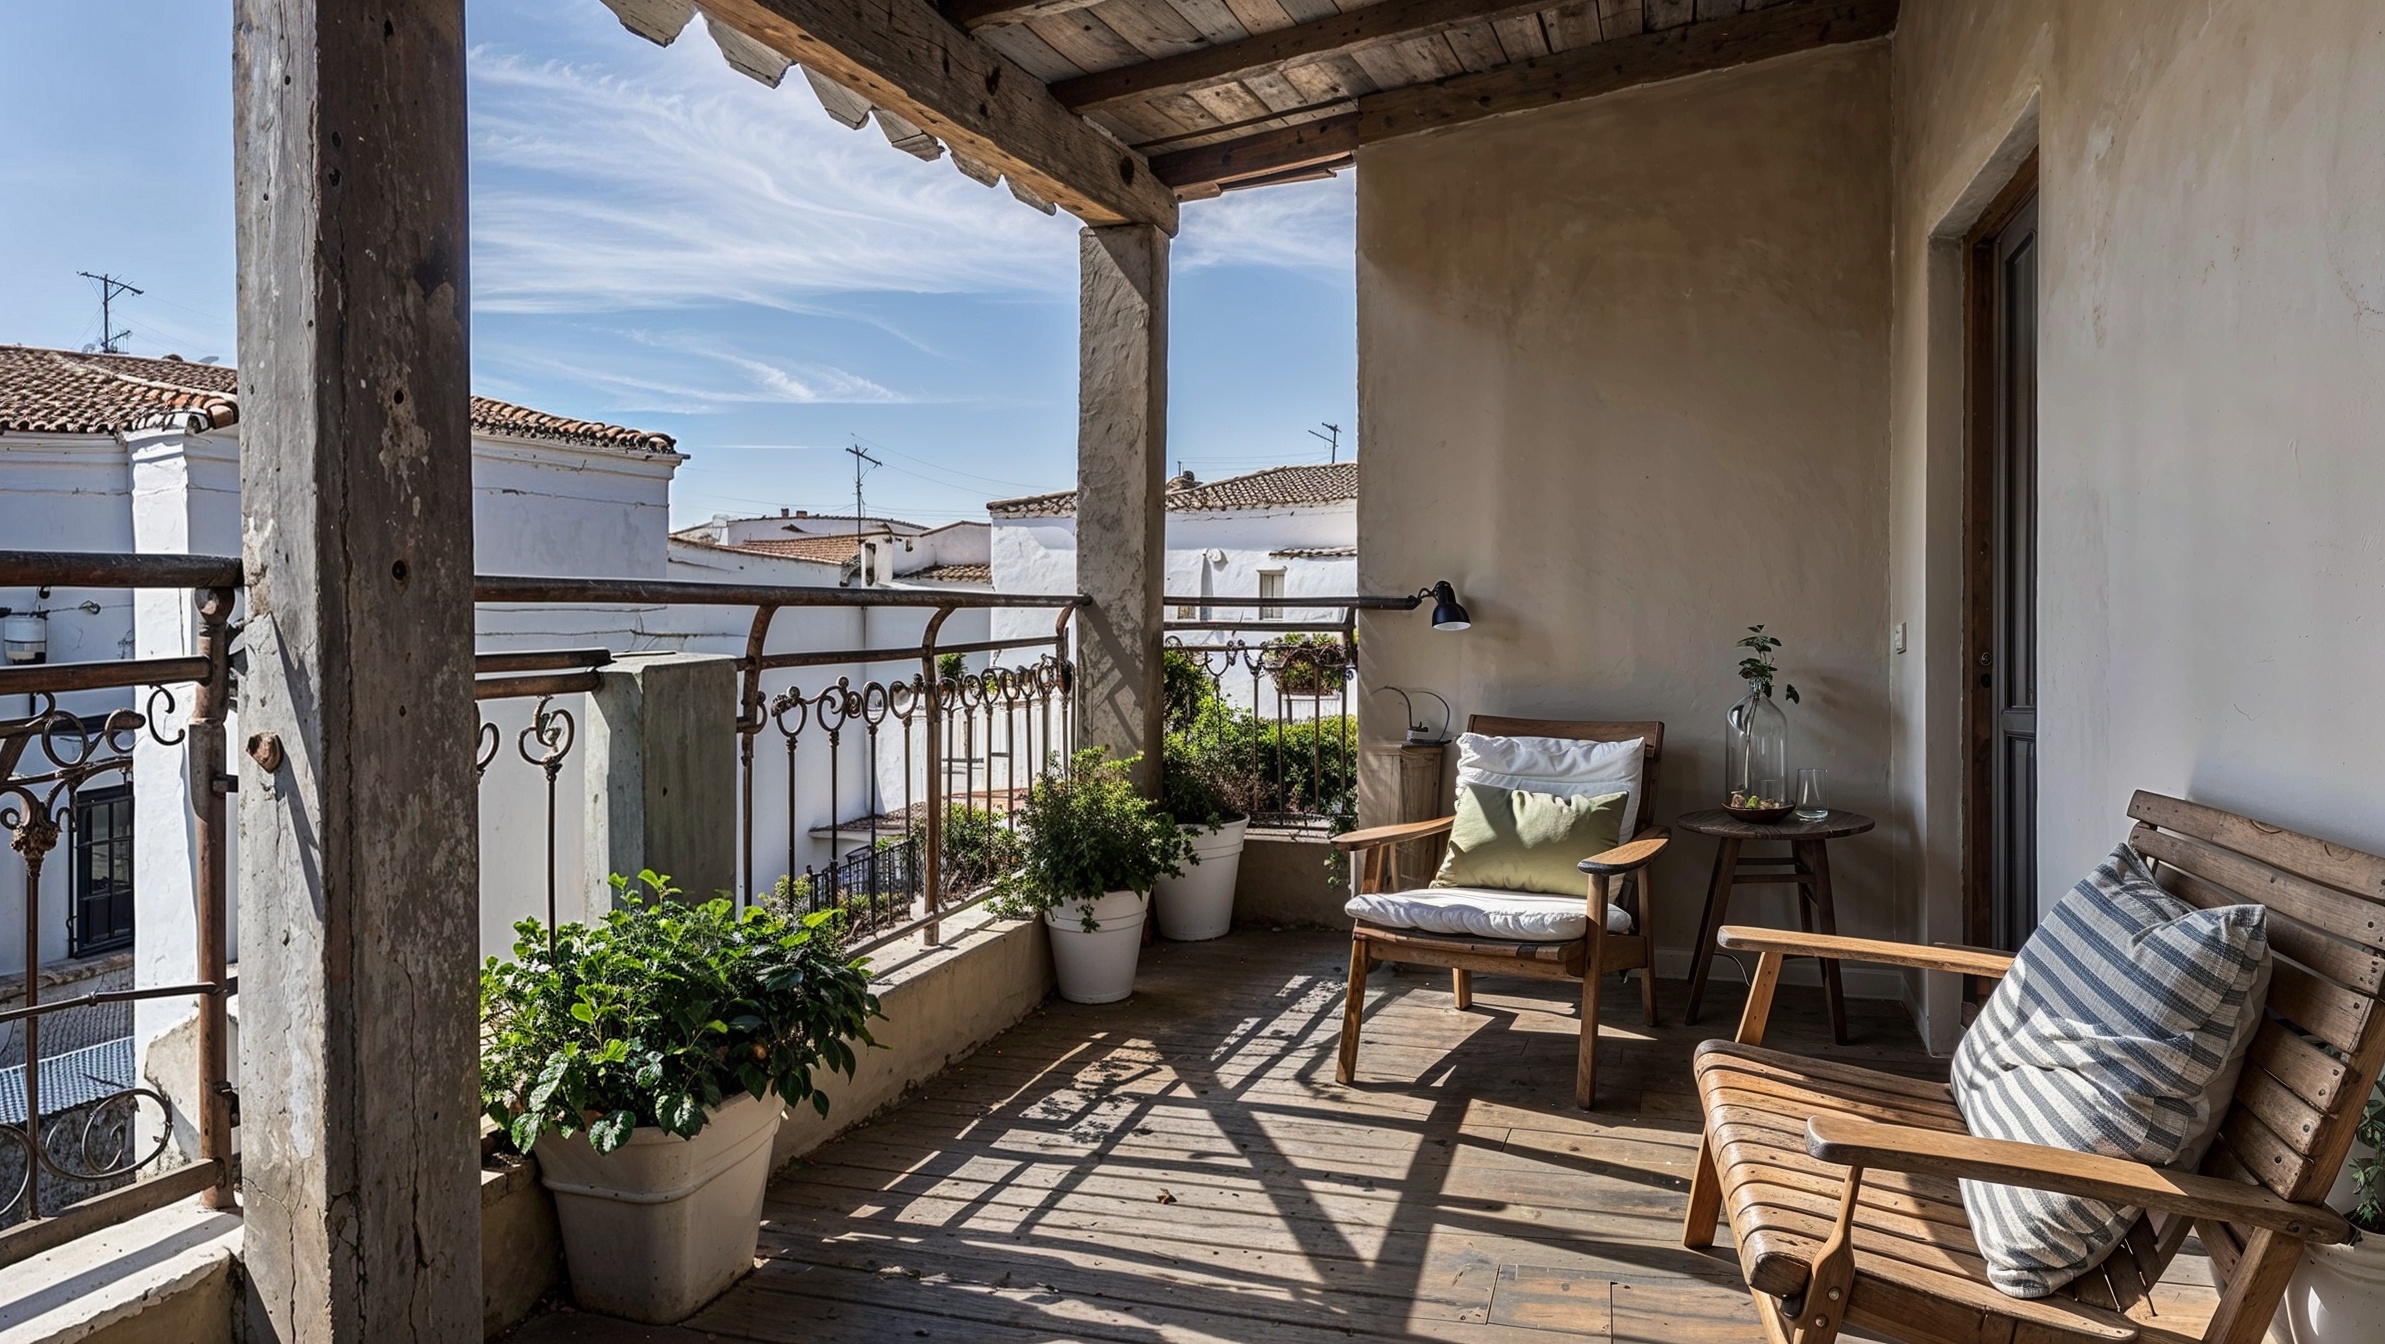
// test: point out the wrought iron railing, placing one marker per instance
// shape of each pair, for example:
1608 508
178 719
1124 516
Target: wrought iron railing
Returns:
73 1113
1265 706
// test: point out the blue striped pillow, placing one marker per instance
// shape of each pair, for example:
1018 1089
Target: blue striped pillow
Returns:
2101 1039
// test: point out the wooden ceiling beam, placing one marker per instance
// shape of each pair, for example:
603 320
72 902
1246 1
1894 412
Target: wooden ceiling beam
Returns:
1626 62
1201 67
902 55
976 14
1583 72
1287 147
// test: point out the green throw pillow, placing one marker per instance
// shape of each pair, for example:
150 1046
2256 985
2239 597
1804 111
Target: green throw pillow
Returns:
1519 841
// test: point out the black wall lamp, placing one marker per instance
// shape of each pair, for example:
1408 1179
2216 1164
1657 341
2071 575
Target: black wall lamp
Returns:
1447 614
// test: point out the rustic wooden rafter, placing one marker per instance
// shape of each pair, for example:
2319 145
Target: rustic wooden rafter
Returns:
1582 72
1203 66
904 56
975 14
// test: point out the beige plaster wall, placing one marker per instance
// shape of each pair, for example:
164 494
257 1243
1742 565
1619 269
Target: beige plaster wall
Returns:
2212 372
1623 379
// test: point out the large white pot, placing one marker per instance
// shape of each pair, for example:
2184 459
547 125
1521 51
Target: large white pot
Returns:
2337 1294
659 1226
1199 905
1097 966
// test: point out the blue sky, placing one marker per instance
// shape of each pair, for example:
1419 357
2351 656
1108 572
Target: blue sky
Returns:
660 241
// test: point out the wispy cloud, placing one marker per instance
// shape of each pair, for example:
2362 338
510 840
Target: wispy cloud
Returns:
682 183
684 372
1305 226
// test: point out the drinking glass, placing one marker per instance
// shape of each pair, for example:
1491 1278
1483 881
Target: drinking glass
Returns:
1813 793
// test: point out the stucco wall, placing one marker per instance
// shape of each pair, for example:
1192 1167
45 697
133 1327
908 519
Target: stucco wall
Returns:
1622 378
2212 363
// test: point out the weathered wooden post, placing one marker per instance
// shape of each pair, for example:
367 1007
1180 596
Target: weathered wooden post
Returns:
358 851
1122 448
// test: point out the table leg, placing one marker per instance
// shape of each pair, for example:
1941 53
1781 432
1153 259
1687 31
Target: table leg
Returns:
1816 854
1718 908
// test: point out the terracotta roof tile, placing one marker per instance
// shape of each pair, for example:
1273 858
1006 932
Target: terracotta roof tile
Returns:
833 549
1315 553
951 574
62 392
1273 487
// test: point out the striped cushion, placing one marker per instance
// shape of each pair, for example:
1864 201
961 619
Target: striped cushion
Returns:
2115 1015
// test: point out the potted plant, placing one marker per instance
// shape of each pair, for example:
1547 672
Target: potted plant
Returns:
2337 1294
645 1061
1210 799
1093 848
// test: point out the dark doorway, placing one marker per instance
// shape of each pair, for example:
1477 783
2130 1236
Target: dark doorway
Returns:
2000 533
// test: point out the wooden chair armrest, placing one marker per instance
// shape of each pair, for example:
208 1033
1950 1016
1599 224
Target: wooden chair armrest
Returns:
1790 943
1639 852
1351 842
1854 1142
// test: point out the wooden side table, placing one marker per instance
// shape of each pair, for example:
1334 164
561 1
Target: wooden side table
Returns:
1806 866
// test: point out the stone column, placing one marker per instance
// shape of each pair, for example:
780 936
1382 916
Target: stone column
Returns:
359 841
662 774
1122 447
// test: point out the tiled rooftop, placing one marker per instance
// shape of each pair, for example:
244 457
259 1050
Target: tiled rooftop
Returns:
63 392
1272 487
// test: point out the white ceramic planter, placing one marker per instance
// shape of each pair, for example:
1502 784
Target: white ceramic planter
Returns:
661 1225
1199 905
2337 1295
1097 966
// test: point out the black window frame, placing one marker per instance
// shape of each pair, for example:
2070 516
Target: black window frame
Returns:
113 900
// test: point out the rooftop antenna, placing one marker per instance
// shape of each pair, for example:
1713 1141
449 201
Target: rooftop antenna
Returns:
109 288
1333 441
860 456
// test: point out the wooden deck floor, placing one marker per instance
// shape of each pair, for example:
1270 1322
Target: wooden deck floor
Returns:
1183 1167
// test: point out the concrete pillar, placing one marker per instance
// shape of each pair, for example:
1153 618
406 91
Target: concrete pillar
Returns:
359 840
1122 449
662 774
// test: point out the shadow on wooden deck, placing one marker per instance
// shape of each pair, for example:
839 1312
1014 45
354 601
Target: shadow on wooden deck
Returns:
1182 1166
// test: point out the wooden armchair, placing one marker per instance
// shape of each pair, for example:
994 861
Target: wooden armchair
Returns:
1839 1182
1618 877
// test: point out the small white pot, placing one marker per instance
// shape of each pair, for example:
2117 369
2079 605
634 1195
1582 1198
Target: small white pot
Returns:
661 1225
1199 905
1097 966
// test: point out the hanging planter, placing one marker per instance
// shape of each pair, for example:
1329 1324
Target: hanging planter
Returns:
645 1062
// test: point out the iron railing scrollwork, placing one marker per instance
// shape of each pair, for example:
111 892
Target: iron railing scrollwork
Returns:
74 1117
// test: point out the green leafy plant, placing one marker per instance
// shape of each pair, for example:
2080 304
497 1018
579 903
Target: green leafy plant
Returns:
1200 785
1307 664
2368 1173
978 848
951 666
1185 689
1088 831
1757 668
662 1011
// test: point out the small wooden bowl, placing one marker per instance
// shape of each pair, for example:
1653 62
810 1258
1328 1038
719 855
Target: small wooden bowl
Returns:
1761 816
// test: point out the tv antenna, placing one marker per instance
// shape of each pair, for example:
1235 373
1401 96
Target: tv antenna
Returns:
860 456
1333 441
109 288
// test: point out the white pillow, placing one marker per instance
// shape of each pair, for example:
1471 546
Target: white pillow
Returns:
1558 765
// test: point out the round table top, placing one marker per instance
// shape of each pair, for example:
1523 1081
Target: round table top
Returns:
1717 822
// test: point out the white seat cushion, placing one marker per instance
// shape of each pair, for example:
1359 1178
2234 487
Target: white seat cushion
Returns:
1484 912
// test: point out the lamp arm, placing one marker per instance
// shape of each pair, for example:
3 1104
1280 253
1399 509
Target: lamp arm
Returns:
1446 713
1405 704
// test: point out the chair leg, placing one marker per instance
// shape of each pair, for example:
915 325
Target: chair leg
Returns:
1461 984
1648 947
1585 1081
1705 1200
1352 1009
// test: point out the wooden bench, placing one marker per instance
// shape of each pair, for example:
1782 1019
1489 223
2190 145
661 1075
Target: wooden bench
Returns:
1840 1182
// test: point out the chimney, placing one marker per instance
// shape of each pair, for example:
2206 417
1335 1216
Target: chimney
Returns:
782 510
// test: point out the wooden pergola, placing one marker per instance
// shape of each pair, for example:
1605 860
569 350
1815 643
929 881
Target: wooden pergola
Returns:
359 849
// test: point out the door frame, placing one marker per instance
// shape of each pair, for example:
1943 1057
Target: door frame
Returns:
1979 530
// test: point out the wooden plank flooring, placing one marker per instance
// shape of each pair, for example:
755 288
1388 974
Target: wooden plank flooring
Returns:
1183 1167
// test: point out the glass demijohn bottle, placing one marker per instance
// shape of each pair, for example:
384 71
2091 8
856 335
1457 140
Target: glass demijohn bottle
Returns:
1756 746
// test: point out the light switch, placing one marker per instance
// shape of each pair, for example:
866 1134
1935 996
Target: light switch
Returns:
1896 638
